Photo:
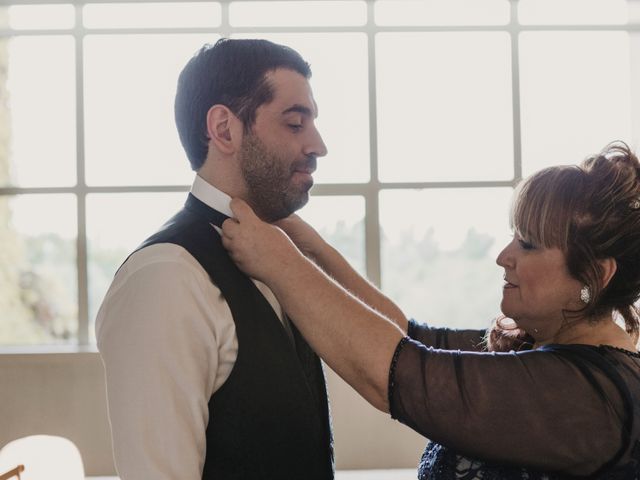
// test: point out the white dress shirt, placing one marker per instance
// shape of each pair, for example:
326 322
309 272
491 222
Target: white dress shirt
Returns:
168 342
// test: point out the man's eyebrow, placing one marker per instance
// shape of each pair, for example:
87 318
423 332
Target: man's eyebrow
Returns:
297 108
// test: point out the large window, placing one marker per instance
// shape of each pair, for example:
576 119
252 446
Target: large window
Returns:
432 112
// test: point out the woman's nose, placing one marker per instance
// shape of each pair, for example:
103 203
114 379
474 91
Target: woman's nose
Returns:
504 258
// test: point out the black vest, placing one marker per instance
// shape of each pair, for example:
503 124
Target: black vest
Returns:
270 419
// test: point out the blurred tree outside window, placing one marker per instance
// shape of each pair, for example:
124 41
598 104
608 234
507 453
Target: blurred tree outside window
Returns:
37 268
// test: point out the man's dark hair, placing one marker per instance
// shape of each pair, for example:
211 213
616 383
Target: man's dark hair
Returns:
230 73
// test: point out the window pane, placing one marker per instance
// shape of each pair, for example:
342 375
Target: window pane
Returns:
340 221
299 14
24 17
442 12
343 100
439 265
446 113
634 12
38 274
572 12
149 15
130 85
112 236
38 117
575 95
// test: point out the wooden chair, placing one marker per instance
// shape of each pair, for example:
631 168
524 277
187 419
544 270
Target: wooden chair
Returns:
41 457
12 473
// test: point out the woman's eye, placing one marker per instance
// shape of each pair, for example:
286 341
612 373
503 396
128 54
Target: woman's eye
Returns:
525 245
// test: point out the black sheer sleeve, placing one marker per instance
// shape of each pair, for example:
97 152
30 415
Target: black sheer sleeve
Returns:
447 338
552 409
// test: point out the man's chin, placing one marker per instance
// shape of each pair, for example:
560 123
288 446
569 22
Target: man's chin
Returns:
272 213
292 205
301 200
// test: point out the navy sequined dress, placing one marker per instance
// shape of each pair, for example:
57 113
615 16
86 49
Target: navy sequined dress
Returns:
557 412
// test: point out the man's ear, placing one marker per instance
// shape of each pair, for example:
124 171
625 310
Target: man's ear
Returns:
609 267
224 129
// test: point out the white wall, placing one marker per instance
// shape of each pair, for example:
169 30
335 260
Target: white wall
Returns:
64 394
57 394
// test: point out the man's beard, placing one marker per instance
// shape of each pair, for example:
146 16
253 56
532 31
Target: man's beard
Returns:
268 174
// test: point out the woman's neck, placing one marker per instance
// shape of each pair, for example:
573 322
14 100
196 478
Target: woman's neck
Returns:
603 331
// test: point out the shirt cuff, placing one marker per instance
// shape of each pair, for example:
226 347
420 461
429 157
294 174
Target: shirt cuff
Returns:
392 374
412 329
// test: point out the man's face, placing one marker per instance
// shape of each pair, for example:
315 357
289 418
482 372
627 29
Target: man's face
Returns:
278 156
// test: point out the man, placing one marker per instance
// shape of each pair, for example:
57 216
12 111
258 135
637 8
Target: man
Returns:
206 377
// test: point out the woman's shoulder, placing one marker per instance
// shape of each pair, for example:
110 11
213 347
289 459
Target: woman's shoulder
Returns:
589 351
620 365
622 368
619 351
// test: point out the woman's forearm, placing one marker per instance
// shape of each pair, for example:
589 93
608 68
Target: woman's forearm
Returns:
353 339
333 263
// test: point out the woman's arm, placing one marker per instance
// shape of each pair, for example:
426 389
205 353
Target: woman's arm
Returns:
447 338
552 409
356 341
541 409
309 241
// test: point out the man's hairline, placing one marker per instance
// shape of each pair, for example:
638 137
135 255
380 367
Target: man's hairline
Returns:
248 128
312 112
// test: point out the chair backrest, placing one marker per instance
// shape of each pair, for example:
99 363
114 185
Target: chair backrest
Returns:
45 457
13 473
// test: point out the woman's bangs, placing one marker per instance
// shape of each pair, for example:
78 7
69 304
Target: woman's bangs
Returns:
540 212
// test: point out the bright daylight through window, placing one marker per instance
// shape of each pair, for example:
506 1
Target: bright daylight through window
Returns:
432 111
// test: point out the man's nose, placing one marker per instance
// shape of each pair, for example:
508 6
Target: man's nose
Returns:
316 145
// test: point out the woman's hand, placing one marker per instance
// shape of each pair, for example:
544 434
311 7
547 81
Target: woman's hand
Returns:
260 250
305 237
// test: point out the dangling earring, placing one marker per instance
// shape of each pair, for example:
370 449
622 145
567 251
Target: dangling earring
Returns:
585 294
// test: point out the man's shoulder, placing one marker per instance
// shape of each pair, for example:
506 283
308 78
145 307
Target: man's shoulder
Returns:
159 257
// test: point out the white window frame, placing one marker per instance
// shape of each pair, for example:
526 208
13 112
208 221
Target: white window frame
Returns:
369 190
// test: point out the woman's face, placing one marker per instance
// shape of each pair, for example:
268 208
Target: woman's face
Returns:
537 288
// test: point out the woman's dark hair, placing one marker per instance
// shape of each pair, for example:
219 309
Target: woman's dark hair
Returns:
230 73
591 212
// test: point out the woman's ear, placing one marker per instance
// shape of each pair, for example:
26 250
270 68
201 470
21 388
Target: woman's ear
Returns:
222 129
609 267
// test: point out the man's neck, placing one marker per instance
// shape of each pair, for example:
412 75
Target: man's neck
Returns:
221 178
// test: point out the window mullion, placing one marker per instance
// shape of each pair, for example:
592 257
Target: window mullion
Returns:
372 210
81 195
514 32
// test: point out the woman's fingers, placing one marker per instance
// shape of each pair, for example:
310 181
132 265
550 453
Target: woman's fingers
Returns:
258 248
244 221
241 210
245 238
229 226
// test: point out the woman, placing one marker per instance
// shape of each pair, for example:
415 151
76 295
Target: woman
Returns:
557 395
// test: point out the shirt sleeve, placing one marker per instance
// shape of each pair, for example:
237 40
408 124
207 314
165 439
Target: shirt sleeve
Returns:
538 409
447 338
160 345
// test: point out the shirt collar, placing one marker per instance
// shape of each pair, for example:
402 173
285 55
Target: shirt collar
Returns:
212 196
